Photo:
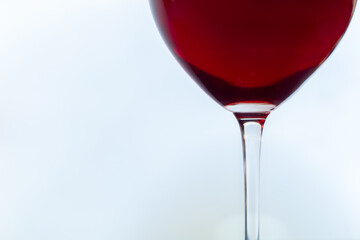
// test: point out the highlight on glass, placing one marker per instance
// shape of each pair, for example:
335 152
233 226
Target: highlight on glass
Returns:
250 56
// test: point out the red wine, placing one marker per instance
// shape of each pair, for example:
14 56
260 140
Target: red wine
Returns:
252 51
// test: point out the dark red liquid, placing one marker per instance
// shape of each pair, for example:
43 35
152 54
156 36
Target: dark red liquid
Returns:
257 51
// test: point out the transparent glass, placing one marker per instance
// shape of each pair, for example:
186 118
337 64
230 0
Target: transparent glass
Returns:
251 135
250 56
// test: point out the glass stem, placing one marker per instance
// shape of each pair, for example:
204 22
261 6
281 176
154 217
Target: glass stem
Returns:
251 134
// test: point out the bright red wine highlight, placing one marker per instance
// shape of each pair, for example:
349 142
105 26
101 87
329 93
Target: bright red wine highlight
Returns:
252 51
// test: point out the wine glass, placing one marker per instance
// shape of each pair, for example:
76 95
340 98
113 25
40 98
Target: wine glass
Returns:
249 56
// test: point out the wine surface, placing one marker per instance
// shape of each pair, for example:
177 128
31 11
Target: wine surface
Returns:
252 51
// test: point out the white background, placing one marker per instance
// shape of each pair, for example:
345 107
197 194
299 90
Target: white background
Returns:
104 136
